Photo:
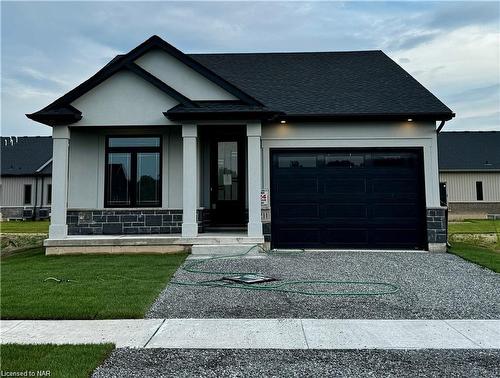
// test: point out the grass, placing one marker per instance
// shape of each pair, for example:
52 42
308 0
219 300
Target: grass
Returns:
24 227
474 226
60 360
93 287
487 257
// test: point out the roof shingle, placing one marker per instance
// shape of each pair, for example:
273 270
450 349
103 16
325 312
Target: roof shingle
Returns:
22 156
340 83
469 150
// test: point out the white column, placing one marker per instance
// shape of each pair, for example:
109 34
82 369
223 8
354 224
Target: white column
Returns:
60 158
254 179
189 180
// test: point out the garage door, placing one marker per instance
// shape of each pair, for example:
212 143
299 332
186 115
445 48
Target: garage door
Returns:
348 199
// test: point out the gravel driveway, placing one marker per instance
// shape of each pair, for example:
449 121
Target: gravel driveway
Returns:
432 286
299 363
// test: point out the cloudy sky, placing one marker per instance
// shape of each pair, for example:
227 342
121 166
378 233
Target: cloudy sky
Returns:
452 48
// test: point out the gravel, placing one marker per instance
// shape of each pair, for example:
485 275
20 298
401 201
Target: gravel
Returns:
432 286
300 363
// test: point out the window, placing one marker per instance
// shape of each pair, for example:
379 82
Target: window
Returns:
227 167
345 160
133 172
298 161
479 190
27 194
49 194
394 160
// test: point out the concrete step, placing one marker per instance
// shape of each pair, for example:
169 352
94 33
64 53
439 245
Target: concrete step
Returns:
223 249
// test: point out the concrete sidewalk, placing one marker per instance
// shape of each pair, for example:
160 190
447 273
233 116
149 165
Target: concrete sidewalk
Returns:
259 333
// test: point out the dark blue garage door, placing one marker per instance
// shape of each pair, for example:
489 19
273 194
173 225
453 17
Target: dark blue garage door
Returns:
354 198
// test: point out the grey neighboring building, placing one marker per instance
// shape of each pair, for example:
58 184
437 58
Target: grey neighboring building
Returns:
26 182
300 150
469 165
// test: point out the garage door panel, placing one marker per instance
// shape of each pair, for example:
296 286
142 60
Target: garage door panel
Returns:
339 185
396 237
395 210
359 198
298 236
298 210
391 185
348 210
346 237
297 185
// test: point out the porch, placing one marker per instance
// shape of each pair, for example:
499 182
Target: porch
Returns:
233 205
155 243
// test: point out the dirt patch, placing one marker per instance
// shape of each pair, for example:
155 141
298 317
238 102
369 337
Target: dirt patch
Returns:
489 240
15 242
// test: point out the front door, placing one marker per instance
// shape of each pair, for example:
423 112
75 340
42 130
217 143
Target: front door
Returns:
227 186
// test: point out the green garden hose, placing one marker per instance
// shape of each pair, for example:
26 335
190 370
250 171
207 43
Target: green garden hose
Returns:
284 286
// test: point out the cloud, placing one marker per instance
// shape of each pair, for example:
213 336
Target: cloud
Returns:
454 15
488 121
478 94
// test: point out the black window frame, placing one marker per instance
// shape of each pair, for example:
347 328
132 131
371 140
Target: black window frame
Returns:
133 168
30 200
49 194
479 191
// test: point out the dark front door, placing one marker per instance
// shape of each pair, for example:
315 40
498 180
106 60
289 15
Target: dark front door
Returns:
355 198
227 176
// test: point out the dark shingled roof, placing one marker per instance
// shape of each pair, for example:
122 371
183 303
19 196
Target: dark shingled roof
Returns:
340 83
469 150
232 109
23 156
355 85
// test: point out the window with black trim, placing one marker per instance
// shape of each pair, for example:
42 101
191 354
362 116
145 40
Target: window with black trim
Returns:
133 172
27 194
49 194
479 190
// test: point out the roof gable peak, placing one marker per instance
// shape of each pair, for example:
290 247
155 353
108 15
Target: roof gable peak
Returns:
68 114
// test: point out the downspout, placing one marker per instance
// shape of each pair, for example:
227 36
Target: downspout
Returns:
440 127
41 193
33 217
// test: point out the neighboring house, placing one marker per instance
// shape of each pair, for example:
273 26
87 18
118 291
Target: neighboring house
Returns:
469 165
341 145
25 187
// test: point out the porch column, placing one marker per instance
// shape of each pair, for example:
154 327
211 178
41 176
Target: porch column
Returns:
60 140
189 180
254 179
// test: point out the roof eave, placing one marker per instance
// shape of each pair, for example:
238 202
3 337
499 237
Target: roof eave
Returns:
445 116
51 119
462 170
230 115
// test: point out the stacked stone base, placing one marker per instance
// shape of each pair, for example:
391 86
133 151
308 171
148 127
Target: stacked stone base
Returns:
124 221
437 229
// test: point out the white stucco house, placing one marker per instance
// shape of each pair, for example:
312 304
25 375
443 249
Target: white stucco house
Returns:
161 149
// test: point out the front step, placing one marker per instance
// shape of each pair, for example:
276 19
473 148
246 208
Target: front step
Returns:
229 229
223 249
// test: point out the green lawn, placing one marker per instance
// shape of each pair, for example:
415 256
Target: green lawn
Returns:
487 257
474 226
60 360
93 286
24 227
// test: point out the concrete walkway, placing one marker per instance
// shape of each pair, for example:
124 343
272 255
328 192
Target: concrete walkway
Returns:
259 333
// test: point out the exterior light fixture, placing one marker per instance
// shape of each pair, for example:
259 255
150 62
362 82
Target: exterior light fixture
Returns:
283 122
410 119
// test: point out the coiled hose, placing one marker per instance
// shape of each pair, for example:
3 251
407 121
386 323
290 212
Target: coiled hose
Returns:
381 288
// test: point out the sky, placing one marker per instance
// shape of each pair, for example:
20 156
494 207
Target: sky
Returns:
452 48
